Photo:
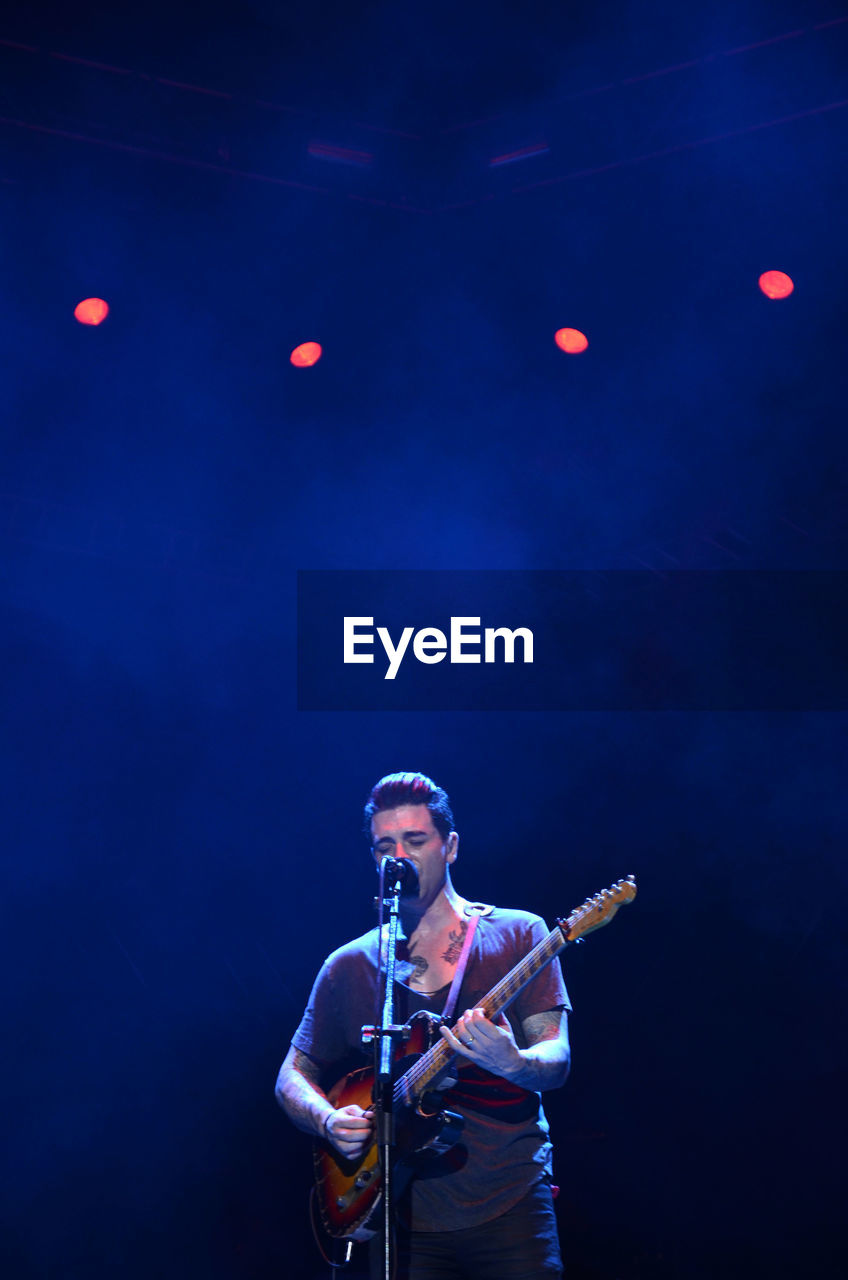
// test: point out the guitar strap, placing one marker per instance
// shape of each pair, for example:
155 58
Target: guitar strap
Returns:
475 911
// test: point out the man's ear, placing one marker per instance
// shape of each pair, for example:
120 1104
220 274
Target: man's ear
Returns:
452 845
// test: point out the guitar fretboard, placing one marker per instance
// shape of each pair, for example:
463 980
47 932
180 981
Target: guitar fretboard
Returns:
414 1082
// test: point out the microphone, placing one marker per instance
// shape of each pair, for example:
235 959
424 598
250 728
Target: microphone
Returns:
400 873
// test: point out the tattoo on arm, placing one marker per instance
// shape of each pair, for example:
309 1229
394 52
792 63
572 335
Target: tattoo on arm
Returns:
548 1056
306 1066
551 1025
299 1093
457 937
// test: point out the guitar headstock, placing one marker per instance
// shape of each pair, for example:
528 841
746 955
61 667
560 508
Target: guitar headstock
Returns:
599 910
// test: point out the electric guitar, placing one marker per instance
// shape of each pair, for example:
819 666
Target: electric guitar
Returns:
347 1193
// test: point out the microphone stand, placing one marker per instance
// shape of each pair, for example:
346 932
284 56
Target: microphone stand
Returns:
391 881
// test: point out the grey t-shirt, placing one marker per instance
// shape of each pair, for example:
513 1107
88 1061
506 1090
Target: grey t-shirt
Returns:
505 1147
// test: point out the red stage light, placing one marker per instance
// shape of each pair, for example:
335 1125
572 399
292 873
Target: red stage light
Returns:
91 311
571 340
306 354
776 284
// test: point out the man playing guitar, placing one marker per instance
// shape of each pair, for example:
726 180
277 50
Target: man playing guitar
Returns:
482 1209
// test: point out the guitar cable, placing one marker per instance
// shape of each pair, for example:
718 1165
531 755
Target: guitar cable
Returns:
319 1244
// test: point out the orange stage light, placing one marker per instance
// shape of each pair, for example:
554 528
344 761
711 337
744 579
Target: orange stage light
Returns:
306 354
571 341
776 284
91 311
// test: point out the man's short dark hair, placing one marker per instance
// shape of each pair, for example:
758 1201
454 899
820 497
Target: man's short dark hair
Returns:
398 789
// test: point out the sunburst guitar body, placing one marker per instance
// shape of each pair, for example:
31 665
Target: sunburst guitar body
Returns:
348 1192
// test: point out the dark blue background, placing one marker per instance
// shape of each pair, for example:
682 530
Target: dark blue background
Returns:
181 846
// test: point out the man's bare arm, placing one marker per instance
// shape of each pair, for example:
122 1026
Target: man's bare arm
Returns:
350 1129
547 1060
299 1093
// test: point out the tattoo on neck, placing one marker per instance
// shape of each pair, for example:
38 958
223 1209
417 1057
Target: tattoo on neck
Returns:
457 936
421 967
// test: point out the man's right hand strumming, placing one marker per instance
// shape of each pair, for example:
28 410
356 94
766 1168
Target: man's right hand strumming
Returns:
350 1130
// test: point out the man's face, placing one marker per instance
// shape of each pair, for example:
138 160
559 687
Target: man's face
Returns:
409 832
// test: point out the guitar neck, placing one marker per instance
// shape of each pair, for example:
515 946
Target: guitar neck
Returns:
414 1082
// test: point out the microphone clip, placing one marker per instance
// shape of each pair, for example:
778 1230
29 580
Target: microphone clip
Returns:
398 876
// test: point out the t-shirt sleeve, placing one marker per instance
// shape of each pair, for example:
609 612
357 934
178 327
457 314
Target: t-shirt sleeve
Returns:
321 1030
547 990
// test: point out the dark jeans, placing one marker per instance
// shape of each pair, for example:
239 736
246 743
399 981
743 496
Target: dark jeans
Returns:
521 1244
